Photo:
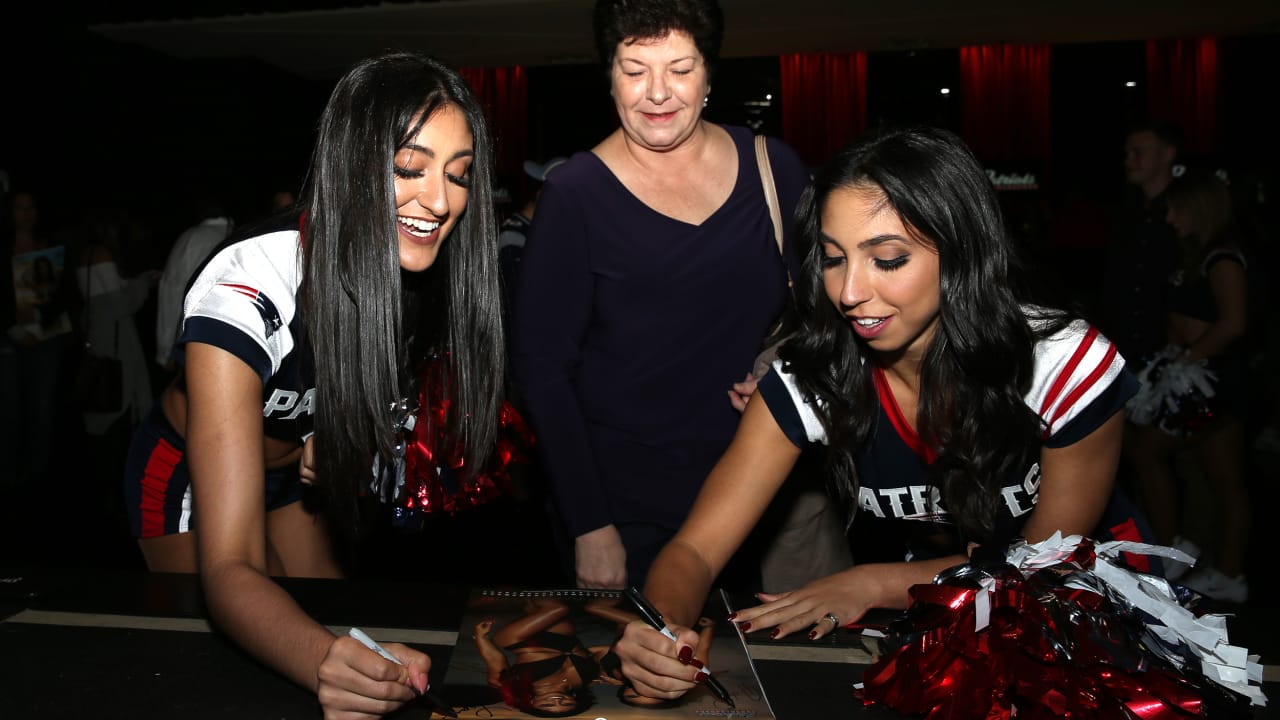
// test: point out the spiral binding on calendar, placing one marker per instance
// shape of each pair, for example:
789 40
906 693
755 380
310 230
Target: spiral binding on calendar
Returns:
566 593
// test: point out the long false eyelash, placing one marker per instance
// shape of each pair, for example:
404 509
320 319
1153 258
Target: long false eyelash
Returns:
893 264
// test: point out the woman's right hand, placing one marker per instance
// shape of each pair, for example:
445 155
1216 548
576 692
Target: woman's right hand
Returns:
652 663
355 682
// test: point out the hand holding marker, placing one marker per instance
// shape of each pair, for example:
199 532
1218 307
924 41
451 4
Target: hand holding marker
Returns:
654 618
439 705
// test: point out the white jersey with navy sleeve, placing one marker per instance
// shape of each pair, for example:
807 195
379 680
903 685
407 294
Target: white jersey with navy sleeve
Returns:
1079 382
244 301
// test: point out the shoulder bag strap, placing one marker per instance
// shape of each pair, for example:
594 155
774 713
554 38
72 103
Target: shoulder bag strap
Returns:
771 196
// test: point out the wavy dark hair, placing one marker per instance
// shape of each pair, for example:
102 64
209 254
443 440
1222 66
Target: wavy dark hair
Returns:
618 21
979 363
371 325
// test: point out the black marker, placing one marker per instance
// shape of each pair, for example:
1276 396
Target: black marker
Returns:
654 618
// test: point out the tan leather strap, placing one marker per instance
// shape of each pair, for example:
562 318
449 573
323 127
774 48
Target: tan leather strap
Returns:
771 195
770 191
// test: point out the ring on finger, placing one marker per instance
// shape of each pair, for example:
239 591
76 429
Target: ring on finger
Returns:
835 621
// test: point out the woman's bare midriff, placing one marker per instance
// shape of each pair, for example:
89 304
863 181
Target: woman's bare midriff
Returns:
276 453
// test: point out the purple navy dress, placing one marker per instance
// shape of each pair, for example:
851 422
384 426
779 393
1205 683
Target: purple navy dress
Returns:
629 328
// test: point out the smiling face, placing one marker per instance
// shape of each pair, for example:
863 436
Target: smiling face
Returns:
877 274
658 87
432 177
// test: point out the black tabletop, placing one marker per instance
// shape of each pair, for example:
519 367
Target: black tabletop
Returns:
137 645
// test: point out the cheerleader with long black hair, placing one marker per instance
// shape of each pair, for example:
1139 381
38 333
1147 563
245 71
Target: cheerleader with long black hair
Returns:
391 260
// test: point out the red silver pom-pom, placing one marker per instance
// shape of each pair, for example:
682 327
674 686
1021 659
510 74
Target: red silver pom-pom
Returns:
427 475
1176 395
1060 629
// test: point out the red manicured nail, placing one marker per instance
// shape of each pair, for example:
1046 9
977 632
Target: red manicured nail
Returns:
733 615
701 676
775 633
746 626
686 654
697 663
813 634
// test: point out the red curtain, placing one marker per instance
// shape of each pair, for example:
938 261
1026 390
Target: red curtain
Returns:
1184 86
824 102
503 92
1004 95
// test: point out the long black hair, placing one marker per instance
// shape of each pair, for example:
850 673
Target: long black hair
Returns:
370 325
978 365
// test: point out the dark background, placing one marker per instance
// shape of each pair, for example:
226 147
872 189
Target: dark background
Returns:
126 126
97 127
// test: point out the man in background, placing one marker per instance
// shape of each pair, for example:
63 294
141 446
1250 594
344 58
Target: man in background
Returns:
1142 252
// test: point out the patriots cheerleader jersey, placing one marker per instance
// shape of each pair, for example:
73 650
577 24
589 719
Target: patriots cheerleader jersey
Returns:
1080 382
244 301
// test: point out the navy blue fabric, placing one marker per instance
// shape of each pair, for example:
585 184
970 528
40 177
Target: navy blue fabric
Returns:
894 517
631 326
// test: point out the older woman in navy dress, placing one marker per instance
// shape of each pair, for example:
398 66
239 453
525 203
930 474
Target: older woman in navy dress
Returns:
650 278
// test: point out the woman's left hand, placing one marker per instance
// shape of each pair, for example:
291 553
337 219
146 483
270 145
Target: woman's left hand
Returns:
846 596
741 392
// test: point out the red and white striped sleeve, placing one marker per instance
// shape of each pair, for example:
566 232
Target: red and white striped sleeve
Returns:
1074 367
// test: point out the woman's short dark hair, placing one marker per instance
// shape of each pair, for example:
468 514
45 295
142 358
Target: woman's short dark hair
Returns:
618 21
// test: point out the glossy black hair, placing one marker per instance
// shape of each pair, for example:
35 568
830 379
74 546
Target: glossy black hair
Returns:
371 325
